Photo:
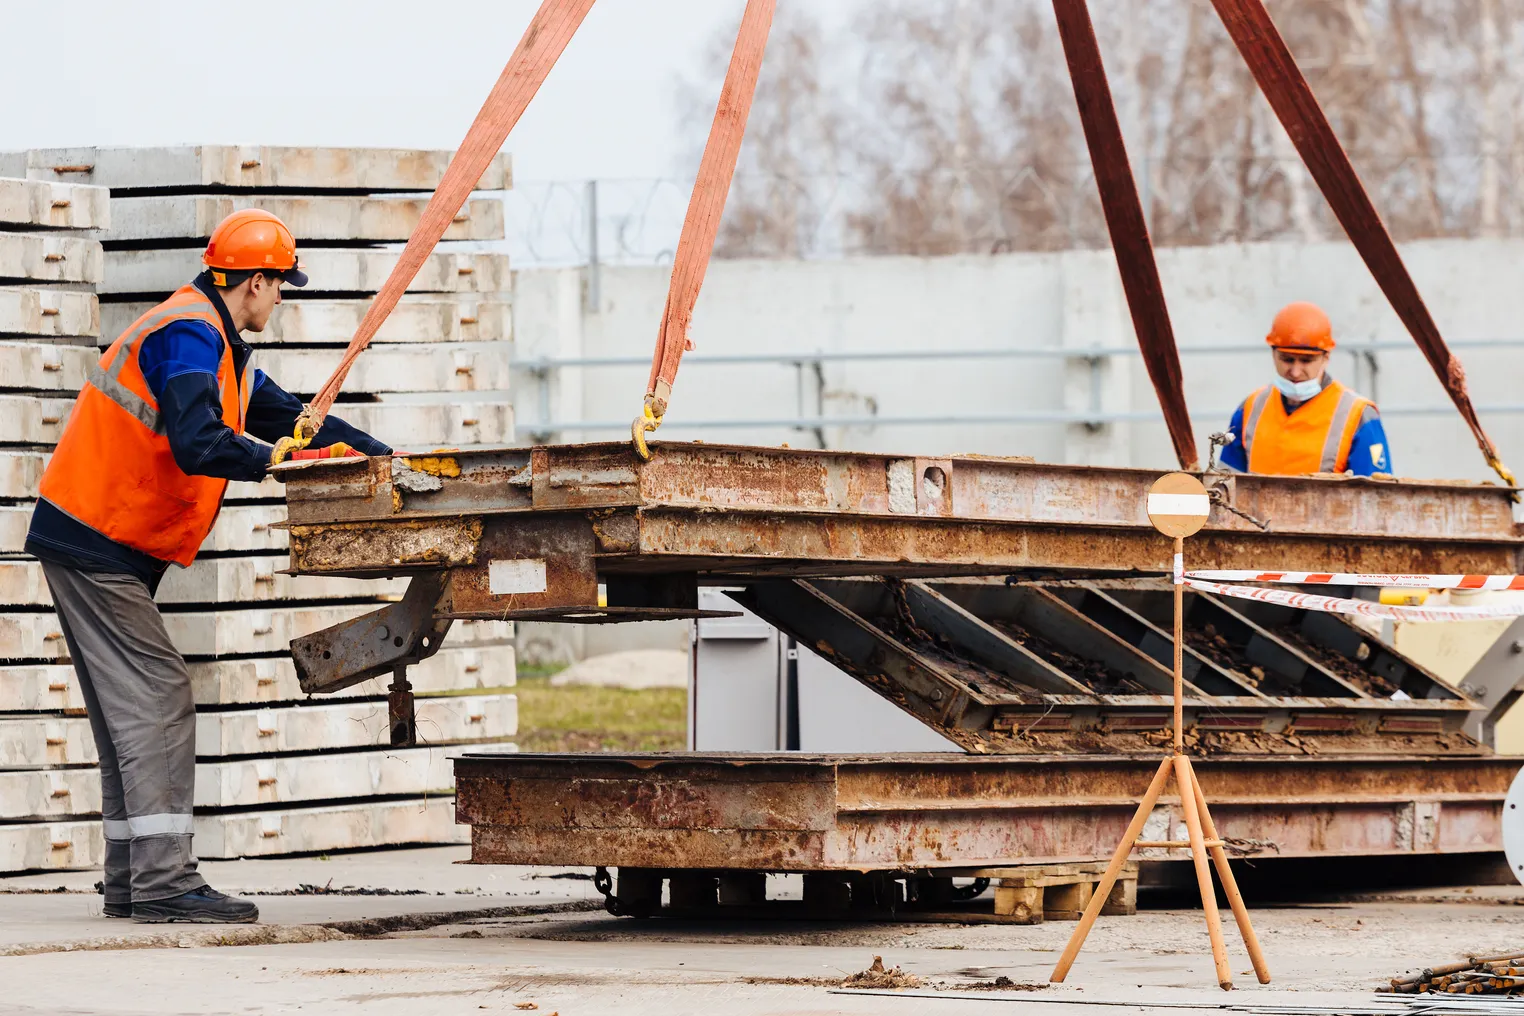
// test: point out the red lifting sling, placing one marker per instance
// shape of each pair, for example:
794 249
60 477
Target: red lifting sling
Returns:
542 45
702 224
1291 97
1125 222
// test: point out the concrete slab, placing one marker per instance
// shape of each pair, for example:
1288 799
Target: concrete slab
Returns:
334 219
53 313
301 321
56 205
248 166
160 272
48 257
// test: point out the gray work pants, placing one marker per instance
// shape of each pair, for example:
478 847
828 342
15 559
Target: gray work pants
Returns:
138 694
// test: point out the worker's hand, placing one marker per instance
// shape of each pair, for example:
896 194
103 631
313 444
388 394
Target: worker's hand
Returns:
337 450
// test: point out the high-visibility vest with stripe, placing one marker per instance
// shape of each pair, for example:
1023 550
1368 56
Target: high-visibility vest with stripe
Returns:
1314 439
113 469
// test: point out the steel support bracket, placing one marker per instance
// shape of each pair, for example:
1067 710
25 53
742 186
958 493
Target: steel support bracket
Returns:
393 637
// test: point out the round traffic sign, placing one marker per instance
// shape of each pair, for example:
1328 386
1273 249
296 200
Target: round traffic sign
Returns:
1178 505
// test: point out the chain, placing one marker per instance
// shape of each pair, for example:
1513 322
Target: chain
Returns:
604 883
1220 499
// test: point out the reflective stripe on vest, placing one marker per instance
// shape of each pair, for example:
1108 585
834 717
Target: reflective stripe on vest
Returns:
1254 408
1334 443
108 379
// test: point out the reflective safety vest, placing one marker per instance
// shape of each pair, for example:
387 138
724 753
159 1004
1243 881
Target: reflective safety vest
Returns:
113 469
1314 439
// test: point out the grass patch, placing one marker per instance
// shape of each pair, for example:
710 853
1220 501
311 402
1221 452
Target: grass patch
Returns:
583 719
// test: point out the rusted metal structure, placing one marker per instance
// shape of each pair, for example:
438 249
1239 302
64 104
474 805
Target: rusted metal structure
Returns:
1011 605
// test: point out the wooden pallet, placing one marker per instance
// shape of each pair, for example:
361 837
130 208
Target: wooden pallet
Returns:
1031 894
55 205
299 321
49 313
49 257
158 273
253 167
311 219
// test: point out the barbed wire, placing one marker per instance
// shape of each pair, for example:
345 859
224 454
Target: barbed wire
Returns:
1041 206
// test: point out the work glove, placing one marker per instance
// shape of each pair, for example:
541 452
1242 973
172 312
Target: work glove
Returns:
337 450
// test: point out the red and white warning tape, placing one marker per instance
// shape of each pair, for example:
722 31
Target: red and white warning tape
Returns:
1495 582
1335 605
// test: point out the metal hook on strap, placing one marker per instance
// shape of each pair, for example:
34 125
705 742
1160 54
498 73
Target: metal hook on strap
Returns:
301 436
645 423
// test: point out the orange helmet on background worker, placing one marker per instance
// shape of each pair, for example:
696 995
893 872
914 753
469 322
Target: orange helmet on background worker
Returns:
250 241
1302 326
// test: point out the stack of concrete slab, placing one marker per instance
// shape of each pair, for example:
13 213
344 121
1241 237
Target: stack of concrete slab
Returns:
277 772
49 323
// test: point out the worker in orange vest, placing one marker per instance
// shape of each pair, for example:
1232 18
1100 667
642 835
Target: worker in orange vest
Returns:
1305 421
170 413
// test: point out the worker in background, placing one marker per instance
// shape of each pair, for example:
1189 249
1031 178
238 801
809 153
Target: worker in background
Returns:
173 410
1305 421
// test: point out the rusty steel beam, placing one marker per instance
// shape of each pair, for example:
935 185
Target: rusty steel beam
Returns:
724 512
805 813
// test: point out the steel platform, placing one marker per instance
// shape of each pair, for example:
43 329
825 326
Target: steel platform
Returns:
940 813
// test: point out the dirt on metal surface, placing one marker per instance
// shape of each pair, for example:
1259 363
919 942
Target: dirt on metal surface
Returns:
1098 677
1372 684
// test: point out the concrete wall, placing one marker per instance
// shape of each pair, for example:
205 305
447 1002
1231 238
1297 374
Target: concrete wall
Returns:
1223 295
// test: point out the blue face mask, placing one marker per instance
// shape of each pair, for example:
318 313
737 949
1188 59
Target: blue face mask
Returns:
1297 391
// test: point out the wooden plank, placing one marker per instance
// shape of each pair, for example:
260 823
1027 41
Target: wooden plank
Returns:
460 367
57 205
45 366
30 419
223 581
160 272
450 719
333 322
292 779
20 473
36 742
363 219
49 793
40 688
235 682
248 166
51 846
339 827
51 313
50 257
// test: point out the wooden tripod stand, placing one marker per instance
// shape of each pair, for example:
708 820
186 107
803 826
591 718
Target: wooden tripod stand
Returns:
1179 491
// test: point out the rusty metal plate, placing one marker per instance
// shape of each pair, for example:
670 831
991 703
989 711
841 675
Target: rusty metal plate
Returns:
947 811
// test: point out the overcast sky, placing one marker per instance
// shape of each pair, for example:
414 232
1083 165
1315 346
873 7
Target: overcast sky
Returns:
363 72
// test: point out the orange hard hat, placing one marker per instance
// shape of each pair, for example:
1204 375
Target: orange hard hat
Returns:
1302 326
252 240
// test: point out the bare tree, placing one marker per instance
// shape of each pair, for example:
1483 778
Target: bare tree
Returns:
948 126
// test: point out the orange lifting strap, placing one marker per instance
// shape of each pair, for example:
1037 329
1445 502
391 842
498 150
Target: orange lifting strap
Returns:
542 45
1125 222
702 224
1273 66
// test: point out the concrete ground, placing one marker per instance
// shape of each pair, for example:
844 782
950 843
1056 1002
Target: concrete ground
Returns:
507 940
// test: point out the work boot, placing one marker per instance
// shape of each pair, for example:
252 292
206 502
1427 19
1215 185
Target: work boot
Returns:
121 907
117 909
199 906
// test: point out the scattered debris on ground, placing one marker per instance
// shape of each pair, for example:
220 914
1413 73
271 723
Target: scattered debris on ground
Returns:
877 976
308 889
